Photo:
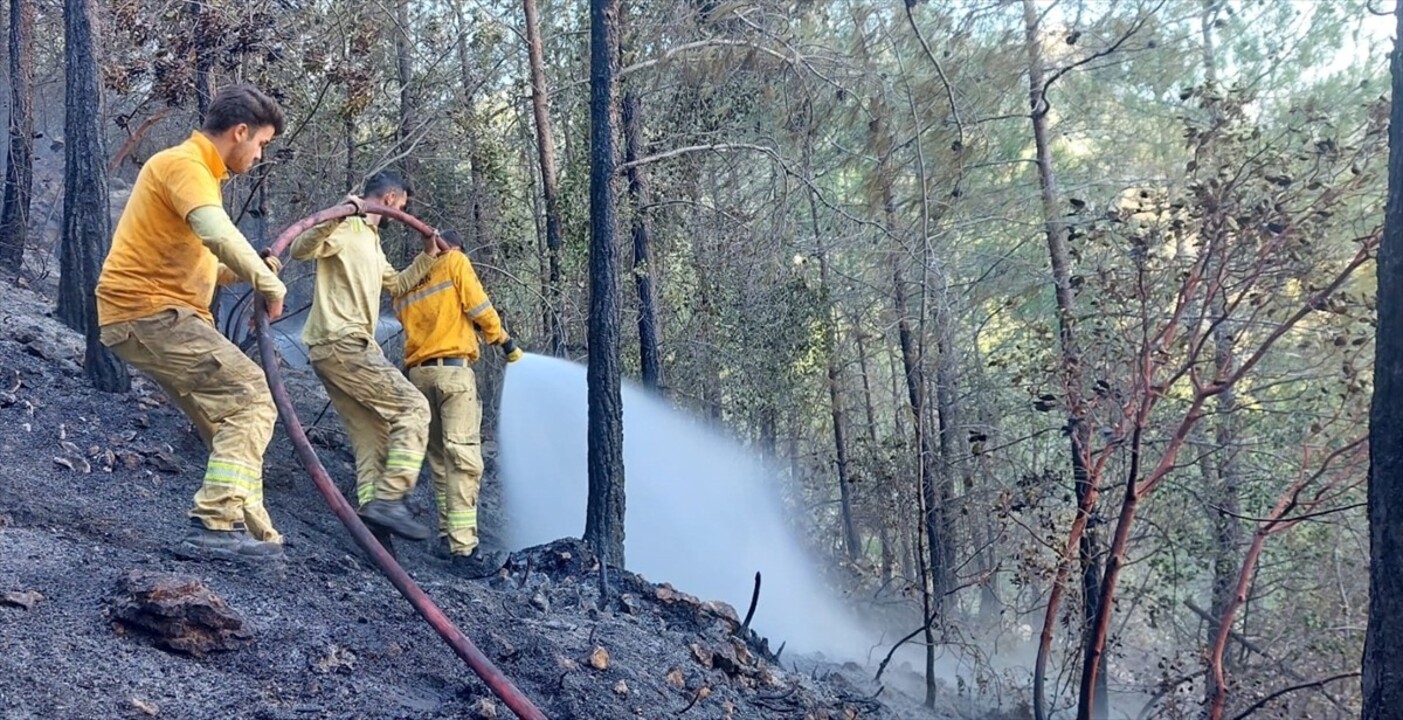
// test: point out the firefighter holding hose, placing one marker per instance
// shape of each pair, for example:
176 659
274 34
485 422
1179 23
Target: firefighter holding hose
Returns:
386 417
441 317
173 244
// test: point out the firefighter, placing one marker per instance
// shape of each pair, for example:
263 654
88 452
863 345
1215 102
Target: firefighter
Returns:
173 244
386 417
441 317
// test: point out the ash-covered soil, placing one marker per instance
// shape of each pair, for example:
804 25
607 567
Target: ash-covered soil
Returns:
94 486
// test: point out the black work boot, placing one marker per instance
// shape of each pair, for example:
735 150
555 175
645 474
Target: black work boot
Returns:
481 563
202 543
392 515
386 538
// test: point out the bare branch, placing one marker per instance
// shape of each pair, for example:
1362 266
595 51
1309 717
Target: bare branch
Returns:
1285 691
709 43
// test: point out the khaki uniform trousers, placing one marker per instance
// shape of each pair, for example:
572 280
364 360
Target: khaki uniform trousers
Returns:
385 416
455 450
225 395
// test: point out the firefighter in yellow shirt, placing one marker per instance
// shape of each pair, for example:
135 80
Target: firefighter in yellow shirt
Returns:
441 317
172 245
385 416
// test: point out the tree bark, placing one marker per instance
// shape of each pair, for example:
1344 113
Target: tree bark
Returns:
851 541
1224 475
1056 232
545 148
925 470
205 47
1383 641
604 520
86 222
650 355
19 171
408 104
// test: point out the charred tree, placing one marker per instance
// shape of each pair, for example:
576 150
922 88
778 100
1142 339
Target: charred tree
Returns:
86 223
604 517
1383 641
19 171
545 149
650 356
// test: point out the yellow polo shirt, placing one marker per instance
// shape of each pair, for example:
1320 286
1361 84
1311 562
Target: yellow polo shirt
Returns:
157 261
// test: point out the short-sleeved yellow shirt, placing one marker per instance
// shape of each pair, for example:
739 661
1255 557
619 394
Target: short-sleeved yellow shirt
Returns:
157 262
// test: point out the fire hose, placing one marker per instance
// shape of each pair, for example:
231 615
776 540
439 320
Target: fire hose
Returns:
465 649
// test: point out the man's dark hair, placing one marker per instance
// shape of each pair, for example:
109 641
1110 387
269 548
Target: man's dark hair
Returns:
383 182
243 104
452 237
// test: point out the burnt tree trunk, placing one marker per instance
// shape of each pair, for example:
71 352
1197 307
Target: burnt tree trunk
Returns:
545 149
1383 641
650 356
408 104
851 541
1223 472
205 43
86 223
604 517
1056 233
19 171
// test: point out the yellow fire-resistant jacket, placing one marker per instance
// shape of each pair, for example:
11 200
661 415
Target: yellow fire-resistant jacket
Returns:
439 314
351 272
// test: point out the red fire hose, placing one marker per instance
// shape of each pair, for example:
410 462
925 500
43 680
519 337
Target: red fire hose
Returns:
499 683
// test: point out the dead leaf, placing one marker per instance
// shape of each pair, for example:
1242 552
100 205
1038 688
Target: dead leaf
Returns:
62 431
485 709
621 687
675 679
599 659
703 656
338 658
26 599
109 460
146 706
94 451
75 463
69 447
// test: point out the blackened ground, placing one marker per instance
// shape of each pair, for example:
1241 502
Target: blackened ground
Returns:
93 486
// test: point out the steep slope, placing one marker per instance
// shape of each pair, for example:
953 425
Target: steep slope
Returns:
94 486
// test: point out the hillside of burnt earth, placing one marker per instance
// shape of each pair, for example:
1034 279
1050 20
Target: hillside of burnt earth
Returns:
94 492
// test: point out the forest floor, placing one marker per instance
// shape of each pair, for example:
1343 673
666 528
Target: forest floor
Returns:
94 486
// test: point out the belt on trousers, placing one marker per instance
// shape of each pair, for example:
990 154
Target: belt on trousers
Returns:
452 361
